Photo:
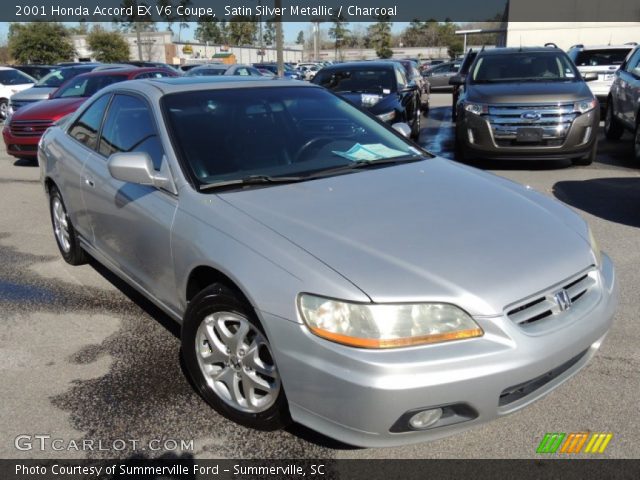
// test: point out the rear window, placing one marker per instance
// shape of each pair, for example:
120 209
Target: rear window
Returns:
14 77
87 86
362 80
595 58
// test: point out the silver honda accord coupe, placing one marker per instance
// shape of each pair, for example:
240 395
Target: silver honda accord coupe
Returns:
324 269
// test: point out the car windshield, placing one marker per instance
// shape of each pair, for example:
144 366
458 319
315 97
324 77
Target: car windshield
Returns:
14 77
606 56
58 77
202 72
280 132
523 67
86 86
366 80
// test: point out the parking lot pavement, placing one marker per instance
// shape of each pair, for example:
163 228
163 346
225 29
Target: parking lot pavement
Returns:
82 356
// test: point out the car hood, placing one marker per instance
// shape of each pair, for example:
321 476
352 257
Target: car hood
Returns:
34 93
427 231
528 92
49 109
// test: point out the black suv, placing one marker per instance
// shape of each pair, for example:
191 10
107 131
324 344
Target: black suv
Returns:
380 87
463 70
526 103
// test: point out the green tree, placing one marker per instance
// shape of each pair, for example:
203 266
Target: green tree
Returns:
41 42
182 23
300 38
380 37
339 32
242 30
269 33
209 30
109 47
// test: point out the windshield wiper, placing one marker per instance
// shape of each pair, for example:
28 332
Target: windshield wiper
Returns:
363 164
250 180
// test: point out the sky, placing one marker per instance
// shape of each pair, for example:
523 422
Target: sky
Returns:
290 29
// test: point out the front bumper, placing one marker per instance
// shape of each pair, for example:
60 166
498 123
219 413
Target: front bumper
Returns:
358 396
21 147
482 144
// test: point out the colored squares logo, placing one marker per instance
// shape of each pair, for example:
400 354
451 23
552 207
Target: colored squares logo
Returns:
581 442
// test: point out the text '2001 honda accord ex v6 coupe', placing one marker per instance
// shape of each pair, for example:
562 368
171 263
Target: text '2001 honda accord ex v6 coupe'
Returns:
325 269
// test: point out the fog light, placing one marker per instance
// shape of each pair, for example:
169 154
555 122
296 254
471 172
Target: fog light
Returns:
586 136
470 135
425 419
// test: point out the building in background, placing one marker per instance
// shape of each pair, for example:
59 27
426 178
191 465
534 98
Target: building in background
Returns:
155 47
567 34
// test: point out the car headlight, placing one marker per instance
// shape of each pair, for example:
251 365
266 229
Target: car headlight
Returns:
597 253
476 108
584 106
387 117
385 325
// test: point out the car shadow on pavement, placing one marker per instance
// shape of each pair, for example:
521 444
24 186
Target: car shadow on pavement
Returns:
613 199
25 162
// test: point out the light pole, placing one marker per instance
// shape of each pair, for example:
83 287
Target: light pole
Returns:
279 39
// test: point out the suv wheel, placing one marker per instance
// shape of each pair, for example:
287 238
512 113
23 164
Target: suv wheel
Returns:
66 237
415 126
230 361
613 130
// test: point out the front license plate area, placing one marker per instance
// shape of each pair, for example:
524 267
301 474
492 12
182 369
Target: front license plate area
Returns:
529 135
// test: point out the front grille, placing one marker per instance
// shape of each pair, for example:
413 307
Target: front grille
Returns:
546 305
16 104
554 122
516 392
29 128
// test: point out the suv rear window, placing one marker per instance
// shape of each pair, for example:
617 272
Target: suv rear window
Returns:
362 80
595 58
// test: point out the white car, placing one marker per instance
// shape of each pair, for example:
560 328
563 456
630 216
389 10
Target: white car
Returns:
603 60
309 70
12 81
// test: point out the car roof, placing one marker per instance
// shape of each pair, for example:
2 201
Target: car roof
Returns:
124 72
602 47
168 85
509 50
382 64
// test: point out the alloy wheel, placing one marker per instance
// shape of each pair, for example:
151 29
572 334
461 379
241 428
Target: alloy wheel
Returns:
61 225
236 361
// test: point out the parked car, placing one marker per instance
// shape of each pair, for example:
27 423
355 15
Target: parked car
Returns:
439 75
24 128
35 71
413 76
222 69
526 103
308 71
46 86
463 70
289 72
380 298
379 87
623 103
189 66
266 73
12 81
604 61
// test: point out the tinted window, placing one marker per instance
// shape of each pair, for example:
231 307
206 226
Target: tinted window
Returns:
14 77
129 127
401 80
158 74
633 65
522 67
87 86
606 56
242 71
361 79
85 129
228 134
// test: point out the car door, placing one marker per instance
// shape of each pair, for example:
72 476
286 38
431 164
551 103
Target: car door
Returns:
439 77
131 223
628 90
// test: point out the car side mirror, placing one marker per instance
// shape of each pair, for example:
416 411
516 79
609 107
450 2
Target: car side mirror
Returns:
137 167
402 128
457 79
589 76
410 87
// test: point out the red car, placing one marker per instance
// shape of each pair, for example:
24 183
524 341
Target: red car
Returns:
23 130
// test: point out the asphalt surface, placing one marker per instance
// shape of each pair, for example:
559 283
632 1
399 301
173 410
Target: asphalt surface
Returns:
83 357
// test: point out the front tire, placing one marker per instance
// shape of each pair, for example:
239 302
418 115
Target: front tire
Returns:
66 236
230 361
636 143
415 126
4 108
613 129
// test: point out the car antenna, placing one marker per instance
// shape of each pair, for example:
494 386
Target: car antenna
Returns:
610 35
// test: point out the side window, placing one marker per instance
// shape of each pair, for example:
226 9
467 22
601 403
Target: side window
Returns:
400 79
633 65
242 71
129 127
255 72
85 129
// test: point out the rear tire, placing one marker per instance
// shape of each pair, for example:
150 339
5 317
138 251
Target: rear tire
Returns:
613 129
228 356
65 235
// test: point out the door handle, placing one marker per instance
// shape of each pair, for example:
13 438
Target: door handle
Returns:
89 182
